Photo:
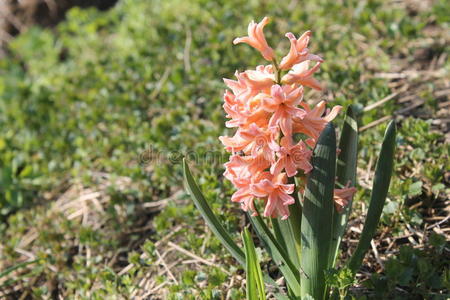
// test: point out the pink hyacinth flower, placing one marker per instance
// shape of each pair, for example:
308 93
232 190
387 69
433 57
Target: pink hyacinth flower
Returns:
244 194
277 192
234 110
250 83
256 39
244 167
240 88
259 80
253 141
313 122
291 158
343 196
243 104
283 103
298 52
300 74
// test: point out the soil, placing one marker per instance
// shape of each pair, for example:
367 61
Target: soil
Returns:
16 16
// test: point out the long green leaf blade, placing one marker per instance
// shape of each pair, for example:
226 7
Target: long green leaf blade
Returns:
295 222
383 173
255 283
279 232
14 268
210 218
214 224
251 290
345 172
288 232
18 266
317 216
286 238
278 254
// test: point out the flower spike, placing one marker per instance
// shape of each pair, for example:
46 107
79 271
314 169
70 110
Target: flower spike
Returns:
268 113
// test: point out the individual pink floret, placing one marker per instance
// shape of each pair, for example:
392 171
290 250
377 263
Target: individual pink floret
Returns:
298 52
251 82
291 158
277 193
283 103
257 40
301 74
244 166
240 88
343 196
234 110
259 80
313 122
253 141
243 104
244 194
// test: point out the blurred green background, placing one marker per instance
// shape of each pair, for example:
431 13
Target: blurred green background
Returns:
87 212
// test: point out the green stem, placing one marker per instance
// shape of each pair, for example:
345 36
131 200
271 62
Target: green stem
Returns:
277 71
278 233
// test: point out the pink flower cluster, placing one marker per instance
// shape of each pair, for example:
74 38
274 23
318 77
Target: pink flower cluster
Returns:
267 110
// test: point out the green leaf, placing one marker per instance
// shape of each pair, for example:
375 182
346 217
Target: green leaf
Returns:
438 241
437 188
251 289
317 213
345 172
415 189
18 266
214 224
288 232
390 208
13 268
278 254
255 282
286 238
339 280
295 222
380 189
210 218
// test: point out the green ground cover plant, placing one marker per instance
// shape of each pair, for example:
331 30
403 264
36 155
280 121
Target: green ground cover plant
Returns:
88 212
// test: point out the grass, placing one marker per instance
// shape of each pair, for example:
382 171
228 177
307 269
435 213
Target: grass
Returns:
96 113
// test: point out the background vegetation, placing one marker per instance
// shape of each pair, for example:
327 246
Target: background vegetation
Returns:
96 113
